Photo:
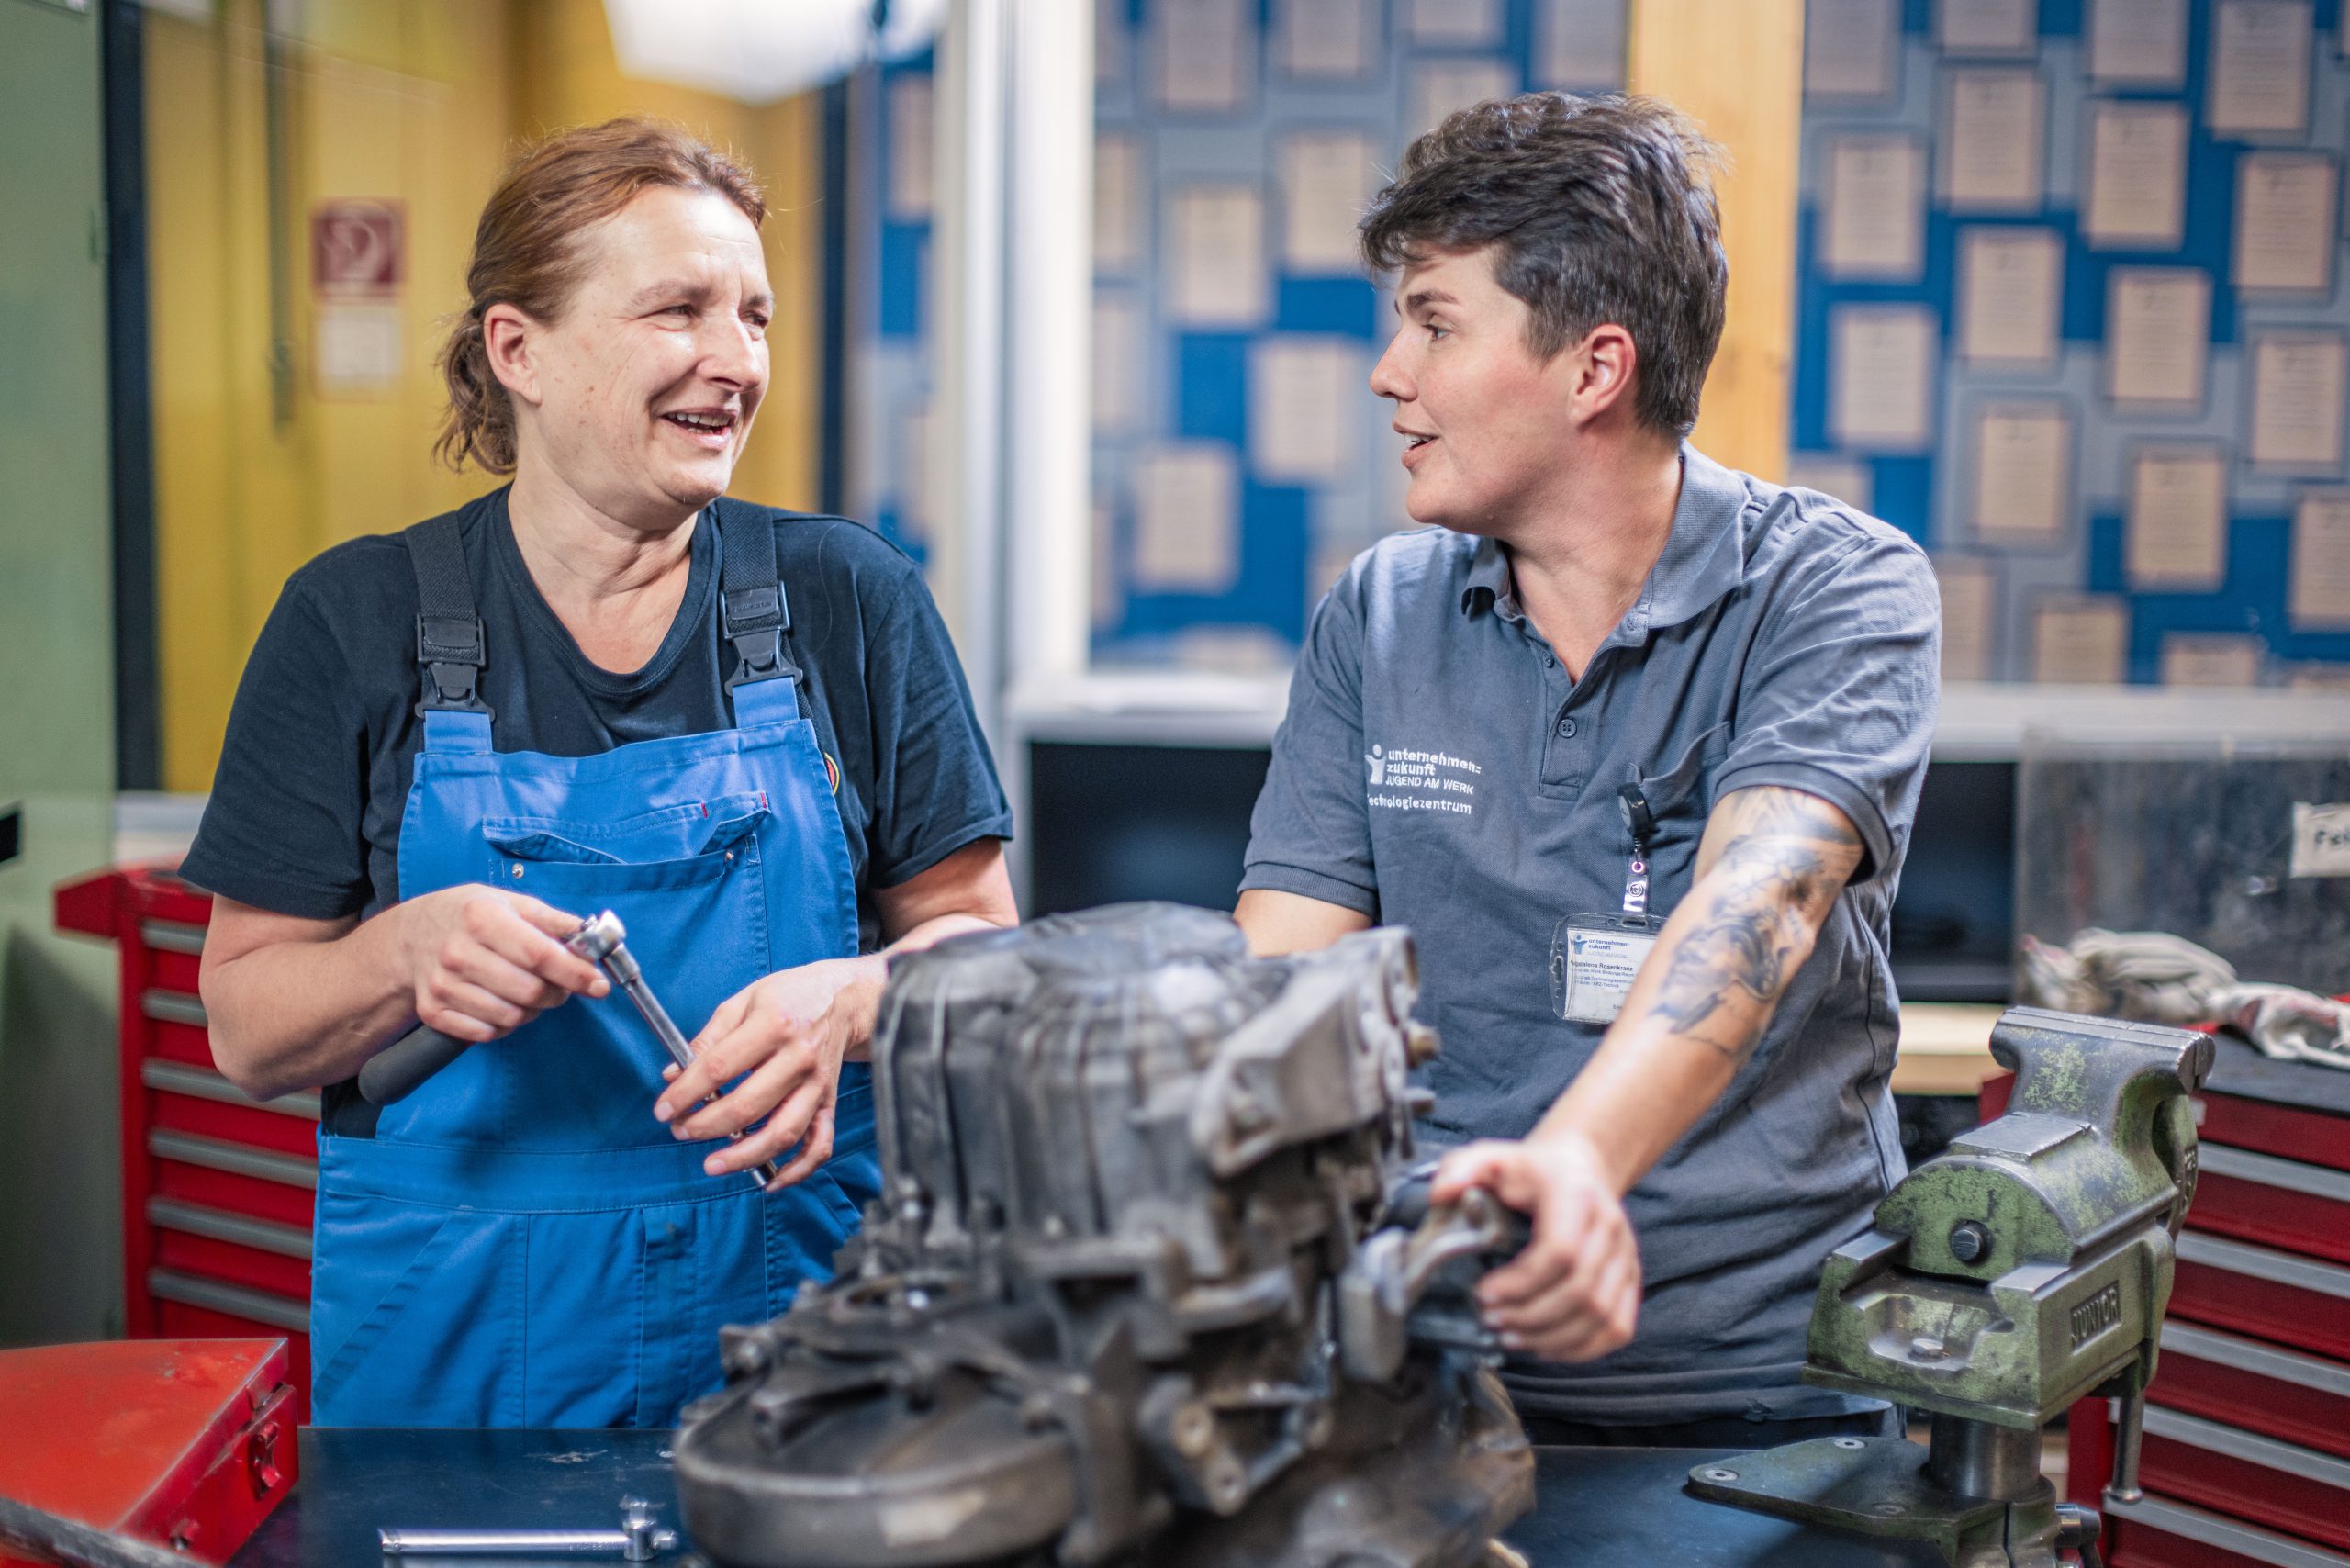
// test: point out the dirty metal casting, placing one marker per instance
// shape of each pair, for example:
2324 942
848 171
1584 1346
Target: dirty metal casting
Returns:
2027 1267
1152 1281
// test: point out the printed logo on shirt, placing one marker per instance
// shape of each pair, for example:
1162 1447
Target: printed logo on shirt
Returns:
831 771
1405 779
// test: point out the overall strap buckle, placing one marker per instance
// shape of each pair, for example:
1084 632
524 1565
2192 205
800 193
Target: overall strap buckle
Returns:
754 620
452 649
754 612
449 642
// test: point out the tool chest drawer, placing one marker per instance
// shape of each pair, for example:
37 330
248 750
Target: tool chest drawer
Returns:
2278 1485
2296 1302
2261 1388
2159 1532
2278 1202
218 1188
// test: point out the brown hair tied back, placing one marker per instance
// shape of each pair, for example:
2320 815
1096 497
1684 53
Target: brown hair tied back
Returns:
527 252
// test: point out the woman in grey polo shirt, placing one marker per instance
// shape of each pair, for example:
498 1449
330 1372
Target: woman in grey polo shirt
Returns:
1632 741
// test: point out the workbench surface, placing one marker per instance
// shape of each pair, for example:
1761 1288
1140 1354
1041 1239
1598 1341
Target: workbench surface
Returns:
1598 1507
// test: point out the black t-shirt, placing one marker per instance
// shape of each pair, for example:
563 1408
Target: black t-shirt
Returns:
305 814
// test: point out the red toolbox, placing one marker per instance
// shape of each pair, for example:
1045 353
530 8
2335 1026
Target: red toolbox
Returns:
187 1444
2246 1446
217 1187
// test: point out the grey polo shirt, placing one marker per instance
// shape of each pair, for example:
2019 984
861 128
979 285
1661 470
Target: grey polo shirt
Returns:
1437 769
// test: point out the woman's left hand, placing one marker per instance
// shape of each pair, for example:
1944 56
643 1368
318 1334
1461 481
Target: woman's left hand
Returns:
789 1033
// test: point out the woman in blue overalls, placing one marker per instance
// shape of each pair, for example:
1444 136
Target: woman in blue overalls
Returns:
600 687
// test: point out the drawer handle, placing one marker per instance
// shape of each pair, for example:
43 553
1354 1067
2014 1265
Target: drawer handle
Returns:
2287 1175
237 1301
2196 1344
202 1083
2264 1263
218 1225
2212 1436
172 1007
235 1158
172 935
2212 1529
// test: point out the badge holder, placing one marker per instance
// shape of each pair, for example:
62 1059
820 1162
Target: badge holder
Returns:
1595 957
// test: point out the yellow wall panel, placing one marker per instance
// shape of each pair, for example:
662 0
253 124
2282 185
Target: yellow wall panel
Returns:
1736 67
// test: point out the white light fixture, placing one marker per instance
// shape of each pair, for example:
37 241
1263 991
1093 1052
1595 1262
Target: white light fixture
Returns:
760 50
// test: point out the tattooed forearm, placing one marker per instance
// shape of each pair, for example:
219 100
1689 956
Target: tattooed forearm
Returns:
1772 863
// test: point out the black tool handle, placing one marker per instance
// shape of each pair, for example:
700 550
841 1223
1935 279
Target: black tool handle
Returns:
393 1073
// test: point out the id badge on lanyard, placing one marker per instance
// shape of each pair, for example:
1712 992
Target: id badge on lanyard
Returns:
1595 957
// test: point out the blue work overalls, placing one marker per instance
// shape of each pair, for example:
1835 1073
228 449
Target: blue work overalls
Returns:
520 1243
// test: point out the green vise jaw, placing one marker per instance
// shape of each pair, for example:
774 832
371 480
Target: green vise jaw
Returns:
2031 1262
2024 1268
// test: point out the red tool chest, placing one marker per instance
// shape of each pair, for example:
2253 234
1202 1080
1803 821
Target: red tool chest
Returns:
217 1187
2246 1449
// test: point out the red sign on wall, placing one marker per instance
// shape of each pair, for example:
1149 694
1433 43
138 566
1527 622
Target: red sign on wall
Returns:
355 250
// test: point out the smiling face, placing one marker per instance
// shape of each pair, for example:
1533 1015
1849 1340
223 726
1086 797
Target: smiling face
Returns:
1490 428
639 396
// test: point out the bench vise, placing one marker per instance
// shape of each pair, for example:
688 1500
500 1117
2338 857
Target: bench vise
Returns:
2024 1268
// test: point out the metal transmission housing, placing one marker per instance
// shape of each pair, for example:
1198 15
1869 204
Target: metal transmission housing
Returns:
1141 1288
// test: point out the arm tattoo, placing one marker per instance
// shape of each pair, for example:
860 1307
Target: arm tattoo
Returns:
1786 857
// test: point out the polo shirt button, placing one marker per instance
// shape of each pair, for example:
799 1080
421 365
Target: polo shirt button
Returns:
1566 729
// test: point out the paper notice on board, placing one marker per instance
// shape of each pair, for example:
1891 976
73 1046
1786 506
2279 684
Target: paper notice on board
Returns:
2212 658
1986 26
1327 178
910 149
2012 288
1881 376
2177 533
2138 43
2157 337
1306 397
1203 53
2080 640
1851 48
1324 39
1216 251
2137 176
1580 44
2319 598
1970 599
1187 527
1441 87
1466 24
2296 399
2023 472
1876 207
1847 479
2260 66
2284 231
1994 140
1118 186
2320 841
358 348
1120 338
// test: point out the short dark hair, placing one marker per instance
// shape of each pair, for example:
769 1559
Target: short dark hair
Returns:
1601 209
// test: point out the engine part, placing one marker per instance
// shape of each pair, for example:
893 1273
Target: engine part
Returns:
1148 1282
2024 1268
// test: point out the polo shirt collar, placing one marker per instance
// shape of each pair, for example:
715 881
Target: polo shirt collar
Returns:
1704 558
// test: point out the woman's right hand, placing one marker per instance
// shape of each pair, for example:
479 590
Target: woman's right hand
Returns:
482 962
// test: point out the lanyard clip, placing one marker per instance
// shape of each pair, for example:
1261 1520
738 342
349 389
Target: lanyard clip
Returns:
1641 822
